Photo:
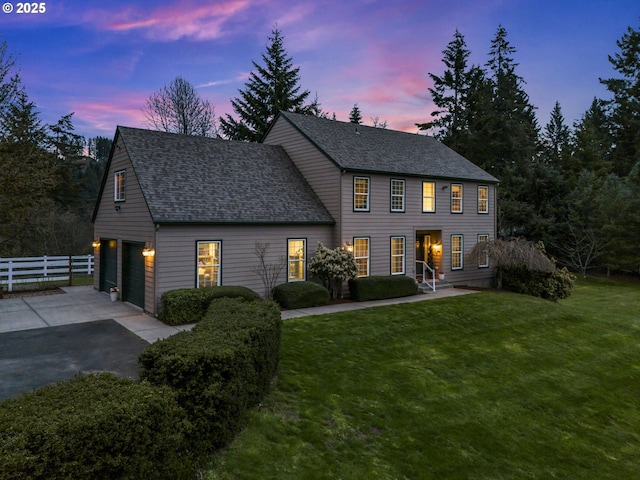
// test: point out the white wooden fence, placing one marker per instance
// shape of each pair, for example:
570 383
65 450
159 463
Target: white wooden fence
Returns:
43 269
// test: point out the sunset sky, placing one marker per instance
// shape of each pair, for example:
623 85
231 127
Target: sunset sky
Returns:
102 59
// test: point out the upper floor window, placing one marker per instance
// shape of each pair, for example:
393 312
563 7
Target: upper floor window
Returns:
397 255
208 264
296 252
428 196
361 254
456 198
483 254
456 252
397 195
361 194
483 199
118 186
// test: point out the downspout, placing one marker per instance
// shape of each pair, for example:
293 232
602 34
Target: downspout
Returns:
340 217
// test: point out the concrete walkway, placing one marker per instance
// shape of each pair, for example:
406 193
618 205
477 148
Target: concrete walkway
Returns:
85 304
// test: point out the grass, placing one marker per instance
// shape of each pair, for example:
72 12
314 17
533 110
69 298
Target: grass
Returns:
490 385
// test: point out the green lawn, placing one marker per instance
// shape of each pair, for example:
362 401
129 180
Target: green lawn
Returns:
490 385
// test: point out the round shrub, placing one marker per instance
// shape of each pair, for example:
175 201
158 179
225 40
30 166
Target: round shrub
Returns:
188 305
94 426
301 295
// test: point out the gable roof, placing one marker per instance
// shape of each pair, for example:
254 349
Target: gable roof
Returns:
360 148
188 179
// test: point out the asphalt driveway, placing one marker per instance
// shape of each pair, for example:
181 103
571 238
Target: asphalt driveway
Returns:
30 359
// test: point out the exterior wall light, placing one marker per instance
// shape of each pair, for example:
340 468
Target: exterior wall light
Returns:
95 244
348 246
437 249
148 252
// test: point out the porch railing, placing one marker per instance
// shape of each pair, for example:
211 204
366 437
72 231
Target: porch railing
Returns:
43 269
427 272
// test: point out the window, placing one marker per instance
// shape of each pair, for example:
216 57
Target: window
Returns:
483 199
456 252
456 198
483 255
208 264
361 194
397 255
361 254
297 248
118 186
397 195
428 197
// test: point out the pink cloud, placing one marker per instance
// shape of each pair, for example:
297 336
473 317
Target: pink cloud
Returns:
173 22
104 115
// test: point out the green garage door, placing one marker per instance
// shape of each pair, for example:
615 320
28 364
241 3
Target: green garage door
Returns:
133 273
108 264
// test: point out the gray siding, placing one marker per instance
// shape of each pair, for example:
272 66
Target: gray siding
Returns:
131 222
321 173
176 252
380 224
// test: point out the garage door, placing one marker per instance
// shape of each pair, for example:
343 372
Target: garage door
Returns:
108 264
133 273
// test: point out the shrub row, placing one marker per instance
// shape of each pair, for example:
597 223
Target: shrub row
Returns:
379 287
188 305
95 426
554 285
219 369
301 295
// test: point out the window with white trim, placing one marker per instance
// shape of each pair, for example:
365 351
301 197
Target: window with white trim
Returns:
428 196
397 195
361 194
456 252
397 255
483 199
118 186
297 253
456 198
209 264
361 255
483 255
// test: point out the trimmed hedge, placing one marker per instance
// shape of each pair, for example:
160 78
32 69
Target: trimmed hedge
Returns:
301 295
188 305
554 285
380 287
221 368
94 426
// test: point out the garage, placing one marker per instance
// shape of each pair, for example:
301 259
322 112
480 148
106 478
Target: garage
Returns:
133 273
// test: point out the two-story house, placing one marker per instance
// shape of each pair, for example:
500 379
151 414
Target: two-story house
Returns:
176 211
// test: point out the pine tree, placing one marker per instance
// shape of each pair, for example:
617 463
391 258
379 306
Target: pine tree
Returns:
556 138
625 114
355 116
450 95
592 143
270 89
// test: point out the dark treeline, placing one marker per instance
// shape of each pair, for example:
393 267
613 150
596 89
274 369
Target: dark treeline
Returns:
576 188
49 176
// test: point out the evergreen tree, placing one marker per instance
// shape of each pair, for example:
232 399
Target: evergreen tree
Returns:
355 116
556 138
625 106
592 143
449 94
27 175
273 87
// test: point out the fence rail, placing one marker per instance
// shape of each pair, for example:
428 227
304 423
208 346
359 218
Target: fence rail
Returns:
43 269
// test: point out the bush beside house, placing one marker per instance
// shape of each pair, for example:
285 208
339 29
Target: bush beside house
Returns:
219 369
301 295
380 287
188 305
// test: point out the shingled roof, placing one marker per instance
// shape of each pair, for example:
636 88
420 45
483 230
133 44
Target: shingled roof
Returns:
367 149
187 179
